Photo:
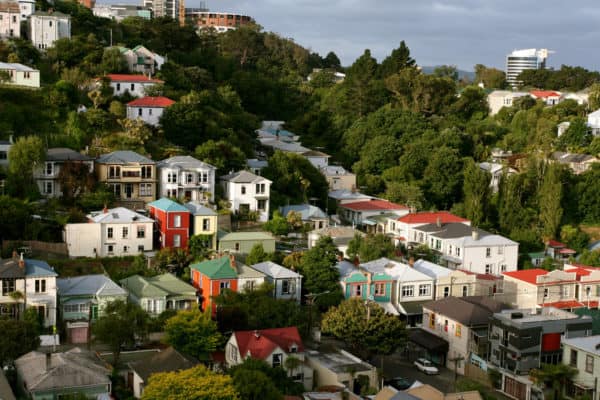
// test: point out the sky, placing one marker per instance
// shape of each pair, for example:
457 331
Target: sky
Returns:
458 32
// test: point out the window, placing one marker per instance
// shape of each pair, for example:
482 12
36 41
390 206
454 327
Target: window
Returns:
458 330
145 189
109 233
380 289
249 285
465 291
172 177
500 250
236 246
149 111
408 291
447 291
233 353
147 172
458 252
573 360
503 268
488 252
545 292
116 187
48 187
177 221
114 172
260 188
285 286
565 291
243 189
8 286
424 290
261 205
118 87
125 249
141 232
49 168
125 232
224 285
176 240
14 18
49 23
204 177
132 86
488 268
206 224
445 325
3 155
69 308
357 290
140 248
277 359
139 112
597 290
189 178
40 286
110 248
432 320
589 364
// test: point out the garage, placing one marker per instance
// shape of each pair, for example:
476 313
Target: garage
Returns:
77 332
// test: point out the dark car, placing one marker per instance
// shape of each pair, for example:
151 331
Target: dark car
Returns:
398 382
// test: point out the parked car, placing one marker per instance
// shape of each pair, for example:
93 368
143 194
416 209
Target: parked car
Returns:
398 382
426 366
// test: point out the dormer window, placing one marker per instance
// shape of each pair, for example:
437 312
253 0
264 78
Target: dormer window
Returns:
293 349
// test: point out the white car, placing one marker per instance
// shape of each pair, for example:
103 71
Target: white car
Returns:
426 366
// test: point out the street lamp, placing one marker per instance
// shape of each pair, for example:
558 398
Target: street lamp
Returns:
310 300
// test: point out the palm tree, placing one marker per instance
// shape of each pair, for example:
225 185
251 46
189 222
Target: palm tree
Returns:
291 364
554 377
17 296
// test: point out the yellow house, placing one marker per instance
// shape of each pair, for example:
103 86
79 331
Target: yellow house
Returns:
204 222
131 176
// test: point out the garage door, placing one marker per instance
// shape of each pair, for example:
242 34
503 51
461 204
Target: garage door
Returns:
78 335
514 388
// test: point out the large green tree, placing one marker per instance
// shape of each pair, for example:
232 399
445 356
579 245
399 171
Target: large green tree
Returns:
370 247
26 155
317 266
193 332
398 60
550 197
476 189
18 338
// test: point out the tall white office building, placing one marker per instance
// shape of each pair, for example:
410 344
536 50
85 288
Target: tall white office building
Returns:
521 60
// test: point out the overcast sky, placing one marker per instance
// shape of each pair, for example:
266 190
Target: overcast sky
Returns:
459 32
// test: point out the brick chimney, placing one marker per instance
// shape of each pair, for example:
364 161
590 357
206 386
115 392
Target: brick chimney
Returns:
232 262
21 262
438 222
411 262
105 209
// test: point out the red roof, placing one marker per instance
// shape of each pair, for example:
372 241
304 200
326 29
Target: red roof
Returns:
542 94
445 217
375 204
527 275
556 244
132 78
566 304
579 272
260 344
150 101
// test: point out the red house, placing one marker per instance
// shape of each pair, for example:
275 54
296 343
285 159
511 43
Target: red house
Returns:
173 222
211 277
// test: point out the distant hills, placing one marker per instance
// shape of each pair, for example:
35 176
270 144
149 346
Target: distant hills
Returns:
470 75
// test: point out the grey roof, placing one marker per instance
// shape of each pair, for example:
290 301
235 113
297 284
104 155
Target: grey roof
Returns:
289 147
118 215
50 14
396 270
307 211
71 369
243 176
333 170
124 157
345 268
16 67
99 285
64 154
343 194
257 164
275 271
339 361
199 209
338 232
246 272
38 268
431 269
168 360
469 311
567 158
315 153
184 162
589 344
451 230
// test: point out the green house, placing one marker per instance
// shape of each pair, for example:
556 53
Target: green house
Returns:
242 242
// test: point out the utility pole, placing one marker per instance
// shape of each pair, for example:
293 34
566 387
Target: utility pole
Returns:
456 360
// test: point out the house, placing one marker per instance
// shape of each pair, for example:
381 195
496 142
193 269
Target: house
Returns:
247 193
403 227
498 99
522 339
135 85
5 146
141 60
211 277
242 242
47 176
287 284
159 293
131 177
309 214
463 323
110 232
184 177
341 236
173 222
34 283
459 246
58 375
464 283
275 347
338 178
533 288
583 354
318 159
118 12
593 122
549 97
558 251
578 163
428 392
149 109
81 300
342 196
256 166
27 8
358 212
20 75
10 20
204 222
496 170
340 368
167 360
46 27
582 97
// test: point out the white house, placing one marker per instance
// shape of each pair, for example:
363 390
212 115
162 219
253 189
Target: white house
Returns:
27 8
141 60
287 283
317 158
534 288
403 228
341 235
114 232
21 75
47 175
47 27
247 192
339 178
35 280
310 215
583 354
502 98
593 121
5 146
549 97
10 20
358 212
274 346
135 85
496 170
186 177
149 109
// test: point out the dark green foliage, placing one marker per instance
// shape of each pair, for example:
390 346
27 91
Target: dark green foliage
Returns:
257 380
18 338
370 247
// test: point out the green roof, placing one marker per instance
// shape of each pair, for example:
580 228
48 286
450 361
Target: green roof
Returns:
242 236
140 287
165 204
356 277
219 268
165 285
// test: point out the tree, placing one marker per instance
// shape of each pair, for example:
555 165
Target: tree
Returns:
200 246
277 225
492 78
363 91
198 383
26 155
476 189
405 193
554 377
193 333
364 326
442 178
550 197
576 136
370 247
257 255
318 269
75 179
277 380
594 97
18 338
446 71
332 61
113 61
591 258
574 237
221 154
397 61
121 324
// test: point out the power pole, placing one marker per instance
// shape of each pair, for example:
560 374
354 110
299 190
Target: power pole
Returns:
456 360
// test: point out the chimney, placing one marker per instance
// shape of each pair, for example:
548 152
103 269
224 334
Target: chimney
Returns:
257 334
105 209
475 234
232 261
48 361
438 222
411 262
21 262
356 261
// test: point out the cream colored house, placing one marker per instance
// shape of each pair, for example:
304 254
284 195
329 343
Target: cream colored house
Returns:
583 354
338 178
533 288
204 222
502 98
21 75
10 20
462 283
340 368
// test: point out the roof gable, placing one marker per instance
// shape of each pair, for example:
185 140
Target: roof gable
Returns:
169 205
219 268
150 101
261 343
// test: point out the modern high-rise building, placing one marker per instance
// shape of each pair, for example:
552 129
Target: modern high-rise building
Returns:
163 8
521 60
